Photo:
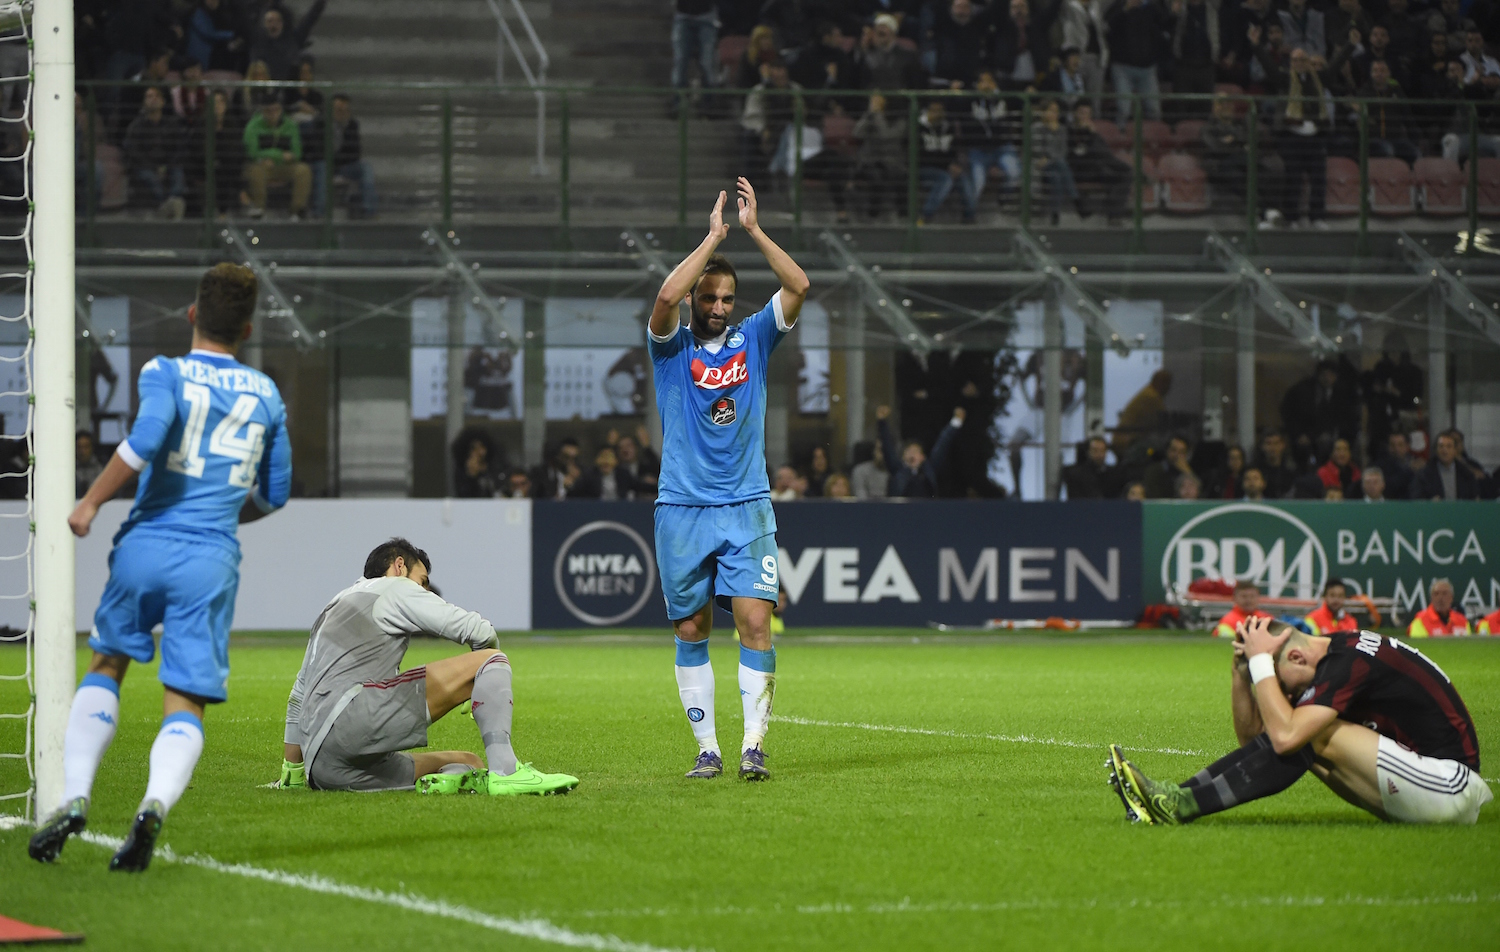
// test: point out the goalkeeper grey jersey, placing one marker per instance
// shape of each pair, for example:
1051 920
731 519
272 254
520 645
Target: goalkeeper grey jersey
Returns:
361 638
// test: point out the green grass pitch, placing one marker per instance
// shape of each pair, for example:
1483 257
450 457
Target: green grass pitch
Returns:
986 824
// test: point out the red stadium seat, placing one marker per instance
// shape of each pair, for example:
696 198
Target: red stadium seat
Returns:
1343 186
1188 136
731 48
1489 186
1441 186
1156 138
1184 184
1113 136
1392 191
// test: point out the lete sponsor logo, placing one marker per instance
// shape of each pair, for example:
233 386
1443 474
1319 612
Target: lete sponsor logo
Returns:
603 572
731 373
1269 546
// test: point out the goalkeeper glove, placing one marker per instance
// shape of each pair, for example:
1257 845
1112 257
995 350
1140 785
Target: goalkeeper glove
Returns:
292 776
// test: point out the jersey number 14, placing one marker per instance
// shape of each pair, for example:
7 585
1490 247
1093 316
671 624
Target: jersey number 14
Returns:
225 439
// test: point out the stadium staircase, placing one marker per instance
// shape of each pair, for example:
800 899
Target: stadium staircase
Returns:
624 148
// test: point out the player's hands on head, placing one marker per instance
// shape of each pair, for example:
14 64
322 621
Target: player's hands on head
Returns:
1258 640
717 229
749 211
82 517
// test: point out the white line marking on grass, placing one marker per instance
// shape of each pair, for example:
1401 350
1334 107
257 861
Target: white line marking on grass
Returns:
1005 738
530 928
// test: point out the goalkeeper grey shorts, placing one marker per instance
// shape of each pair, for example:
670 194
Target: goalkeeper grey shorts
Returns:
363 749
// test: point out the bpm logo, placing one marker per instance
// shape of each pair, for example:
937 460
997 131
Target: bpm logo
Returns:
1247 540
604 572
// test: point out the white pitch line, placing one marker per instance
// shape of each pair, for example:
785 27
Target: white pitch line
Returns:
1004 738
530 928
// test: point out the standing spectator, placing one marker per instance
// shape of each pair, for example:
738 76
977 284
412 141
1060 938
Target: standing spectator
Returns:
1301 134
473 472
1407 30
1318 410
553 479
280 45
869 478
1022 49
1195 48
1372 484
695 38
1083 30
1349 69
913 474
1253 485
1091 477
86 465
1303 29
1136 28
960 40
880 167
1387 124
989 136
1340 472
211 37
349 164
1391 388
1481 70
273 153
605 481
758 52
190 96
229 160
827 66
1236 51
1067 79
1095 167
1448 19
1224 482
818 471
1337 22
940 168
1049 150
792 20
136 30
1396 467
1143 417
1161 477
153 153
1226 160
884 64
1278 473
1445 477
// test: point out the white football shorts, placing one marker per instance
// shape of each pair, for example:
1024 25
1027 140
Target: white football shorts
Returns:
1417 789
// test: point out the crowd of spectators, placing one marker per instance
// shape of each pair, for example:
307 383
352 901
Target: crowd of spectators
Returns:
1343 437
183 57
1295 56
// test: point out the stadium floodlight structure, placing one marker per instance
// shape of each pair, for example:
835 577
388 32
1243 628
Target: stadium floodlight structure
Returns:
274 304
880 301
1266 295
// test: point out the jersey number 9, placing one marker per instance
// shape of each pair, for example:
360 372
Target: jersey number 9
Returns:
225 440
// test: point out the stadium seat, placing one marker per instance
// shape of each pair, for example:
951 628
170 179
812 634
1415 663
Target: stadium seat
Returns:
1441 185
1489 186
1188 136
1392 191
1184 184
1343 186
731 48
1156 138
1113 136
1151 190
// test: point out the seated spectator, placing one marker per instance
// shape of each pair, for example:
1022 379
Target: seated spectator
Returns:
1445 478
1388 123
229 161
279 45
1136 29
1049 150
349 164
1278 473
1188 486
639 462
304 104
1481 70
211 38
1161 476
1253 485
553 479
1439 619
473 475
1304 28
86 465
517 485
1396 465
960 41
189 97
1094 166
1486 490
1021 51
273 155
1317 410
1349 68
818 471
913 474
1224 482
1091 477
880 167
605 481
1067 80
885 64
786 485
1226 160
1136 492
695 39
250 98
122 104
153 154
1448 19
869 478
837 487
1333 494
760 51
990 135
1340 472
1372 484
939 166
1301 134
1246 606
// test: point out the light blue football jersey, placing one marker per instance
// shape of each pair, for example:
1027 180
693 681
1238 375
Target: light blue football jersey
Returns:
209 432
713 411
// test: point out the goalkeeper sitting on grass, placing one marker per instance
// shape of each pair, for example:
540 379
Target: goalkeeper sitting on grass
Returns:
353 713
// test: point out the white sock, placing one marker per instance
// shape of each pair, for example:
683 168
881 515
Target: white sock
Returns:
173 757
494 702
757 690
695 685
91 728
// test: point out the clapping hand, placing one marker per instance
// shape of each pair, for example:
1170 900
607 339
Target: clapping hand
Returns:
749 211
716 227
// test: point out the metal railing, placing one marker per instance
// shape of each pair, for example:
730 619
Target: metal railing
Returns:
712 142
536 79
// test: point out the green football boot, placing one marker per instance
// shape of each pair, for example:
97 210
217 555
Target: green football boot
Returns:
526 781
443 784
1152 802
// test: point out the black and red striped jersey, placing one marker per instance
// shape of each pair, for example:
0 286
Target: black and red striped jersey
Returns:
1394 689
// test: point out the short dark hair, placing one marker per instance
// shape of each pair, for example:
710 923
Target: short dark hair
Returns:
1334 583
386 553
1246 583
718 264
226 302
343 97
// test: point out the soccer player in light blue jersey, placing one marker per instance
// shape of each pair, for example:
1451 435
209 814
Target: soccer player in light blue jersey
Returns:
715 531
211 447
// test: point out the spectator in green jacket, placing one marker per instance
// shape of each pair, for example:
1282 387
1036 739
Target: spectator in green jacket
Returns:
273 153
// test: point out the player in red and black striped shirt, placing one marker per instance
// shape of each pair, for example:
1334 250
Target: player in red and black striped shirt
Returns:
1374 719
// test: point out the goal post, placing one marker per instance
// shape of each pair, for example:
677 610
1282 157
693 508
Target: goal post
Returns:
52 260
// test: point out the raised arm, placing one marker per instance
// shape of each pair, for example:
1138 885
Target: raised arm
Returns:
1289 728
1247 722
664 319
794 283
410 609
